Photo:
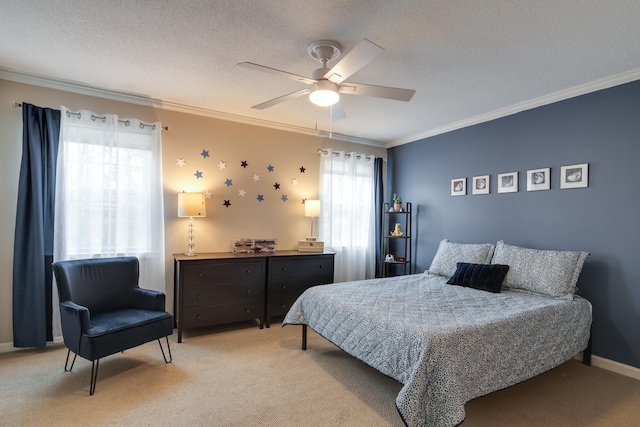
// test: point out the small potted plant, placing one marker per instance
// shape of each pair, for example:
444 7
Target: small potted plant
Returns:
397 203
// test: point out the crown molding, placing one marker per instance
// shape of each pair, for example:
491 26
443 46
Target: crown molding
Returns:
141 99
583 89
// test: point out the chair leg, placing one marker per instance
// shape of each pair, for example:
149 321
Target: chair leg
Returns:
66 363
94 376
168 348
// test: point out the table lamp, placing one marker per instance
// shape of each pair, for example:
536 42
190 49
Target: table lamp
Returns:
191 205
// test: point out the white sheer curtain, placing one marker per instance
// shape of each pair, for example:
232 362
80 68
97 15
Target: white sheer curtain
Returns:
347 224
109 192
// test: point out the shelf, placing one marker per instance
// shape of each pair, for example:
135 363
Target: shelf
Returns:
398 246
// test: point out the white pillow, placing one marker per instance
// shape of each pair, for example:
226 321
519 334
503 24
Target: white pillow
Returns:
552 273
449 254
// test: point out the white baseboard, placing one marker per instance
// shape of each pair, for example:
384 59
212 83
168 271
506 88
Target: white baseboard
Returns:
617 367
7 347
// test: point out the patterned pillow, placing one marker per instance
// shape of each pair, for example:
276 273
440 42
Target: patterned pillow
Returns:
486 277
553 273
449 254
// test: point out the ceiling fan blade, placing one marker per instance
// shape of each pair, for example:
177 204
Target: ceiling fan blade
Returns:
395 93
337 112
358 57
270 70
280 99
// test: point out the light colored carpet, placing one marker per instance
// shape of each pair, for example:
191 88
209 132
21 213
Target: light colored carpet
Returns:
239 375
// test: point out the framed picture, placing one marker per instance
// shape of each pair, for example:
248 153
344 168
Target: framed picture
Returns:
459 187
481 184
508 182
574 176
539 179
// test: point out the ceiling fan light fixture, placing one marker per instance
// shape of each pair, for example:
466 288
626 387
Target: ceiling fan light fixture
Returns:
325 94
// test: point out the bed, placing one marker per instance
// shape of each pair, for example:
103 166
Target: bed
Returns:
450 343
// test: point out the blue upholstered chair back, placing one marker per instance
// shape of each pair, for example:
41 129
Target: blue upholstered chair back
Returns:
100 284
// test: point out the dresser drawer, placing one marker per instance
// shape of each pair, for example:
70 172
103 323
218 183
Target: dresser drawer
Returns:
295 286
301 266
195 296
280 306
228 271
195 317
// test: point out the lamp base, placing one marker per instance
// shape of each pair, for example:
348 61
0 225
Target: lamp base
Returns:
191 253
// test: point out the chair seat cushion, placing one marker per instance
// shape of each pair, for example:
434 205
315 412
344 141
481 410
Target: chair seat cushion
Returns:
121 329
124 318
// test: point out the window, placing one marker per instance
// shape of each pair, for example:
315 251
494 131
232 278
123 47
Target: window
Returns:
347 224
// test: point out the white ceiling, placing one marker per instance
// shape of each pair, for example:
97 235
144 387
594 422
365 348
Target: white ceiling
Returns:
467 60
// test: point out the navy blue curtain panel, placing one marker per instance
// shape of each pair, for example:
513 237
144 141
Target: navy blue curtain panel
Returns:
378 202
33 245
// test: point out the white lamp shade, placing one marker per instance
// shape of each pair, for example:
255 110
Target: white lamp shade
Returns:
191 205
312 208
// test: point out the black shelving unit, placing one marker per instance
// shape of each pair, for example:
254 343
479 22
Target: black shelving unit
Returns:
398 246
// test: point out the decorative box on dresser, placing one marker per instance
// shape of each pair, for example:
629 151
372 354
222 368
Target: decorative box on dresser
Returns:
290 273
217 288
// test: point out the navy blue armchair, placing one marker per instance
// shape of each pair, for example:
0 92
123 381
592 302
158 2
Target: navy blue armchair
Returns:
104 311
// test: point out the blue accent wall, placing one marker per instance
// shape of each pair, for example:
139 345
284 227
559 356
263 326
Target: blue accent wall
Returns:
601 129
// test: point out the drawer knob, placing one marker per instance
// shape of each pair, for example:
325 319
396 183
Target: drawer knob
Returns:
284 287
284 268
199 274
320 266
199 296
248 271
198 316
248 291
248 310
284 306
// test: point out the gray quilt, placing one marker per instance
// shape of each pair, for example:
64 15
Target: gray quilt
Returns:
446 344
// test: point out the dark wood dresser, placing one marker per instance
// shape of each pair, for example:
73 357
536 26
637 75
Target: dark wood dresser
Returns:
217 288
290 275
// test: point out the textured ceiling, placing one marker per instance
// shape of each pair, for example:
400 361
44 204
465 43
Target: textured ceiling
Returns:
464 58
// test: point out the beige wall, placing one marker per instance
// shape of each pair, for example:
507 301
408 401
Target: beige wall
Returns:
188 135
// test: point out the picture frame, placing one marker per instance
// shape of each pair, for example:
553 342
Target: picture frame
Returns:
459 187
508 182
481 184
539 179
574 176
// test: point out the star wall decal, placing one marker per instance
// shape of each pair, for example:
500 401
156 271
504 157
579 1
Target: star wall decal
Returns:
302 169
260 197
207 194
228 182
276 186
180 162
294 181
304 201
241 192
227 203
222 164
270 168
284 198
256 178
198 174
205 153
244 164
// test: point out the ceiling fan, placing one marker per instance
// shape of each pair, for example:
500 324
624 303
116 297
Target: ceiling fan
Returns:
329 83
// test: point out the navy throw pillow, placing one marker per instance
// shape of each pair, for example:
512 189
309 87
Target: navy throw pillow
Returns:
486 277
